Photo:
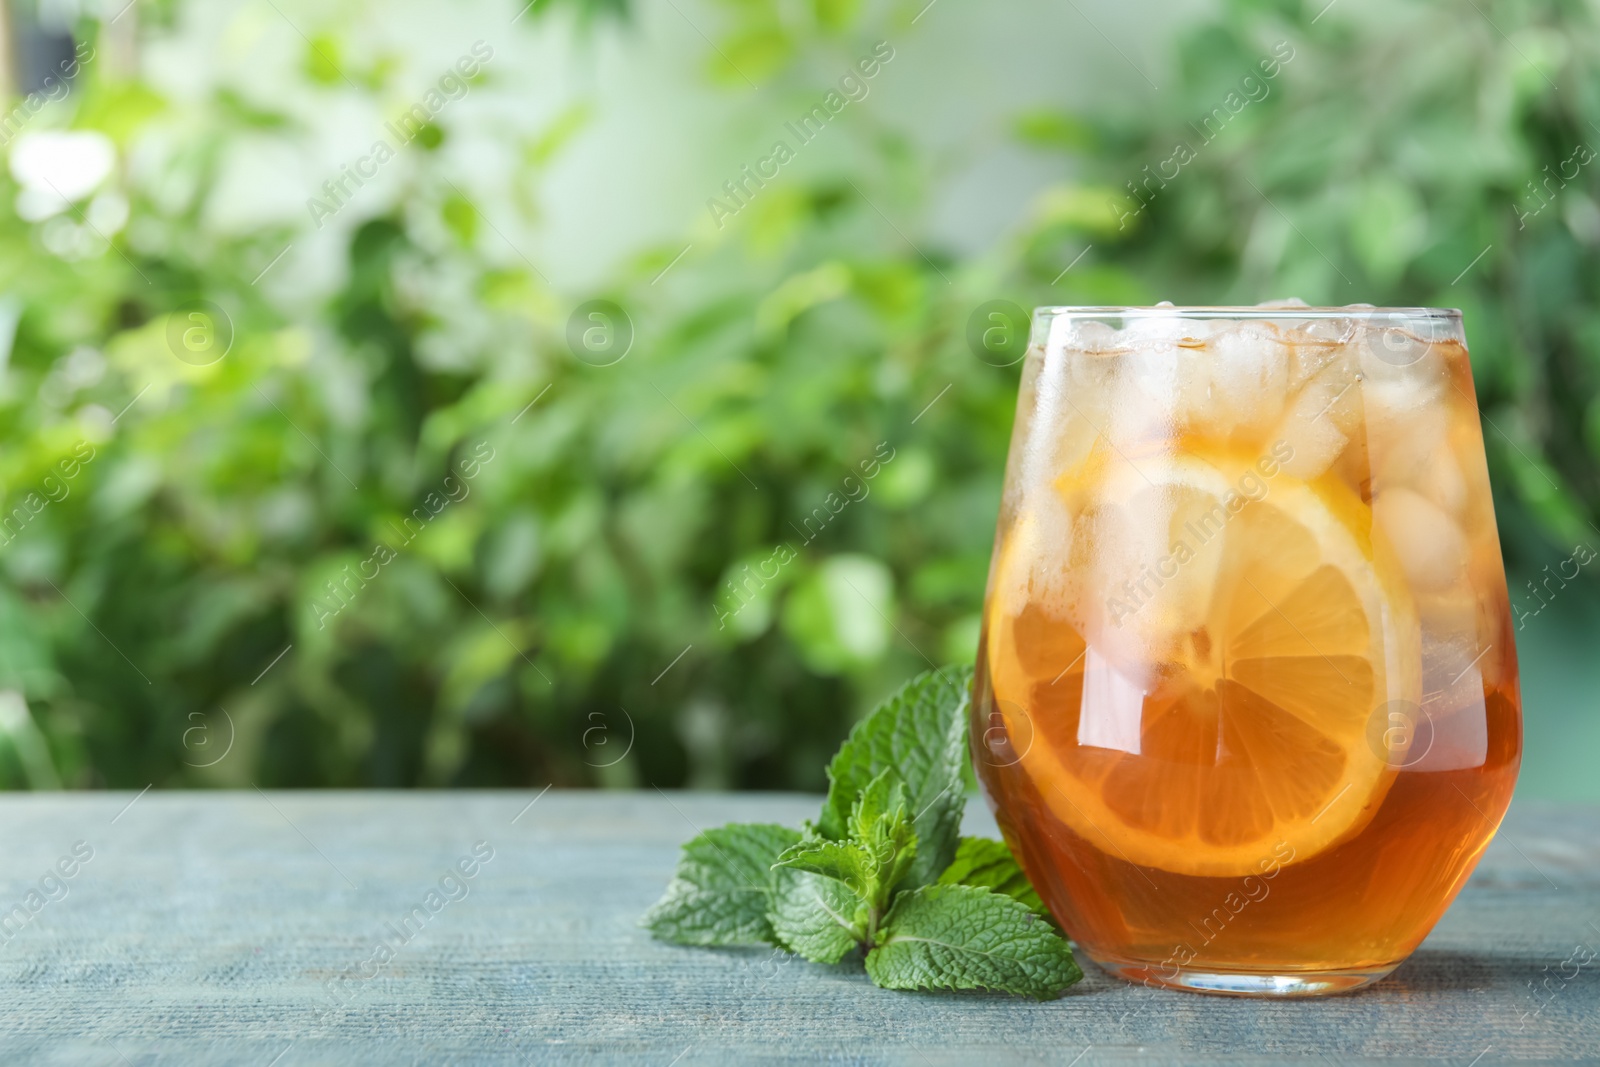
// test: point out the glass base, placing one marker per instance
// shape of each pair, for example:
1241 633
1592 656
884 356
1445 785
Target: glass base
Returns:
1246 983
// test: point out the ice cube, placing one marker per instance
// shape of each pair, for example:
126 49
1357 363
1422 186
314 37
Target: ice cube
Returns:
1035 561
1407 425
1083 363
1452 732
1248 367
1429 545
1325 332
1311 356
1169 329
1319 422
1393 352
1127 393
1147 399
1391 402
1085 335
1145 595
1045 402
1441 480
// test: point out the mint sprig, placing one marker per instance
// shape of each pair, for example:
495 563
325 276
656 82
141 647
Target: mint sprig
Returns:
882 873
721 893
920 733
968 937
817 917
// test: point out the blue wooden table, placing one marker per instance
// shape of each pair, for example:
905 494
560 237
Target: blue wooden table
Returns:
278 929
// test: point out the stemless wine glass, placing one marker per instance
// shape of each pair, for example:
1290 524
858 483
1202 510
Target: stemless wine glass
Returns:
1246 705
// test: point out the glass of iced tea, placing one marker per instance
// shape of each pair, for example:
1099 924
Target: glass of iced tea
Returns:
1246 705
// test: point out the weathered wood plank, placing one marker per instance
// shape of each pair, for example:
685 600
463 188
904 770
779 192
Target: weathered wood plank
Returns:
211 927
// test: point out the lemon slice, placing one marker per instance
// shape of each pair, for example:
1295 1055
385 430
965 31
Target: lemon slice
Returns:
1209 693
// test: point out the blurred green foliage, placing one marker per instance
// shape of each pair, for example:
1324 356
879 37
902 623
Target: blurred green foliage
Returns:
1407 154
698 564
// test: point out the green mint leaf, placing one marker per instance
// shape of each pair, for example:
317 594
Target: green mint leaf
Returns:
844 861
966 937
878 852
723 887
883 796
983 862
881 824
820 918
919 733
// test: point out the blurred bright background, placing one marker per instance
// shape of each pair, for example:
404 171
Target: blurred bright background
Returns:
323 467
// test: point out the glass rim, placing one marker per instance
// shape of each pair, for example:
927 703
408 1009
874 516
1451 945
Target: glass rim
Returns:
1248 311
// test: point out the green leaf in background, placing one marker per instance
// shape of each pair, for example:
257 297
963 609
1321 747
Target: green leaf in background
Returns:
24 652
751 55
820 918
981 861
919 733
323 56
838 615
1389 228
1055 129
723 887
601 541
965 937
836 14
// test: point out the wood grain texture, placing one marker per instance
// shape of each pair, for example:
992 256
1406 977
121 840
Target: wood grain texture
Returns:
209 928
